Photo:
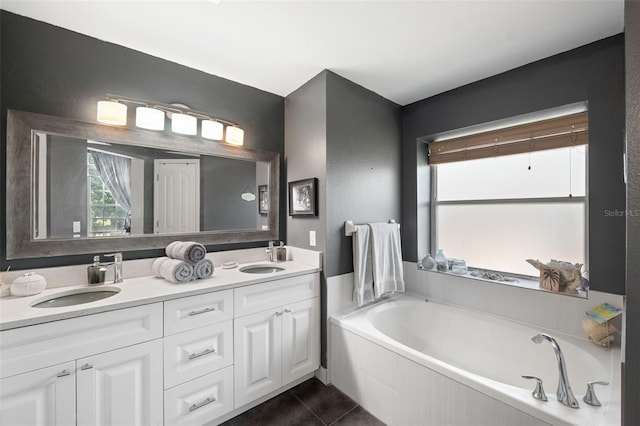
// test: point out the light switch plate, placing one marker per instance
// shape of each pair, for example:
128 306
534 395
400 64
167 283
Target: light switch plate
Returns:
312 238
76 226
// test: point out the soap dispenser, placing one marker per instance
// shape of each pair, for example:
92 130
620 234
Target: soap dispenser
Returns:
96 273
281 253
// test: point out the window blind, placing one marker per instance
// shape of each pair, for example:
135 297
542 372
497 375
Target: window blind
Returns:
559 132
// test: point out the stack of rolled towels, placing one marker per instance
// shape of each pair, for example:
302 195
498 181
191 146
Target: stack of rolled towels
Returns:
184 261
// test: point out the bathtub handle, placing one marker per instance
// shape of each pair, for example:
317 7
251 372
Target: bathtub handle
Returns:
538 392
590 397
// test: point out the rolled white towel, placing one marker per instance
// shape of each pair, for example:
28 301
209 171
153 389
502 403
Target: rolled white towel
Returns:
155 267
203 269
189 251
176 271
170 248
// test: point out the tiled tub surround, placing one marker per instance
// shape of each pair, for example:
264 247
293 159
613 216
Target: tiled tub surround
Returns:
162 353
400 385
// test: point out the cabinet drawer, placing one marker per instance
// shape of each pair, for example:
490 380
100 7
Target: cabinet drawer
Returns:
28 348
192 312
258 297
201 400
193 353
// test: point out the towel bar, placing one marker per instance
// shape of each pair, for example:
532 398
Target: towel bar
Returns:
350 228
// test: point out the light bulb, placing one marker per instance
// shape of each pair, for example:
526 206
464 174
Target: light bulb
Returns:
110 112
149 118
212 130
184 124
235 135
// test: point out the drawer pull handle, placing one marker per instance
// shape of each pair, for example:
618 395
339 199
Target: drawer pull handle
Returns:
86 367
63 373
287 311
201 311
203 353
202 404
276 314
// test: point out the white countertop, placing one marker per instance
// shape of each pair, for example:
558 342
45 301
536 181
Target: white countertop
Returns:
18 311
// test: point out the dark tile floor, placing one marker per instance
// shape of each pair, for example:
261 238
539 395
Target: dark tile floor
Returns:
309 403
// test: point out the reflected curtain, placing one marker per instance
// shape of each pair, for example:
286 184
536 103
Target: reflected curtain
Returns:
115 172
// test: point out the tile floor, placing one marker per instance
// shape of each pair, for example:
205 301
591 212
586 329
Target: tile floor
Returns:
309 403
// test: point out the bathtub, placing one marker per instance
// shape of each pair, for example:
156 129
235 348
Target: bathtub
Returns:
414 362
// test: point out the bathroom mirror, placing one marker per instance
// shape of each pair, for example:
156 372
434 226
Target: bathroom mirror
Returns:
76 187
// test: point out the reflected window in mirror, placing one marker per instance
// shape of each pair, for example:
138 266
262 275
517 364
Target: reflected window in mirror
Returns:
109 199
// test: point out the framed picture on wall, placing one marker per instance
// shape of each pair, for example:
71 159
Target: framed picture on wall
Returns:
303 197
263 199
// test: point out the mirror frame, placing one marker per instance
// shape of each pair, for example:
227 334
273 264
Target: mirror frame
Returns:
21 130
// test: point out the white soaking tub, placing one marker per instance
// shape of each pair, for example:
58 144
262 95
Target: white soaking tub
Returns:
413 362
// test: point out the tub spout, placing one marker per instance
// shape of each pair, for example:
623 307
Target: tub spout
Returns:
564 392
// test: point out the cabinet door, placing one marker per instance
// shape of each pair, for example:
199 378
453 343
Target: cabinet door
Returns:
257 351
44 397
121 387
300 339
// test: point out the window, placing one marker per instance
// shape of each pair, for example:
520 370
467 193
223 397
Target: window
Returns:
106 217
496 211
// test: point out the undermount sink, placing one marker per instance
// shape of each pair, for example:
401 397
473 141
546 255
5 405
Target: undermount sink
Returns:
76 297
261 269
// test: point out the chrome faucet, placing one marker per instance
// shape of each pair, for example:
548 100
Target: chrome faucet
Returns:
117 267
564 393
269 251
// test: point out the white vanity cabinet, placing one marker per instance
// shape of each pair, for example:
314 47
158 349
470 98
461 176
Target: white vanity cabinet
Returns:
280 343
103 369
198 358
187 361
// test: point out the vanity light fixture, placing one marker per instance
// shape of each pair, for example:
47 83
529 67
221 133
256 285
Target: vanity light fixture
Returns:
150 115
149 118
212 130
235 135
112 112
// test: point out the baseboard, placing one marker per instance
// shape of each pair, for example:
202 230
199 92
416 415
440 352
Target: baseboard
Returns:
322 374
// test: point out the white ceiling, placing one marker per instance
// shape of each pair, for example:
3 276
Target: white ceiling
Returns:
402 50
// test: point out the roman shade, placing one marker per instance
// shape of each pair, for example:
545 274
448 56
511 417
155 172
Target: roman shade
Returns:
559 132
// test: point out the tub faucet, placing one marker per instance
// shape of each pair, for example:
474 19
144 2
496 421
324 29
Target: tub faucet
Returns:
117 267
564 393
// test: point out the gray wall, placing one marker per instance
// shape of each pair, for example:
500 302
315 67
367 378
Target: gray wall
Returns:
632 313
594 73
349 138
67 186
51 70
306 156
363 165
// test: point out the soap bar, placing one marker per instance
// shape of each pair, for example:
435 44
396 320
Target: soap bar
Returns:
603 313
229 265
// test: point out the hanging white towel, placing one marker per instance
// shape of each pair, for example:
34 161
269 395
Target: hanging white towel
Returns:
362 272
386 258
